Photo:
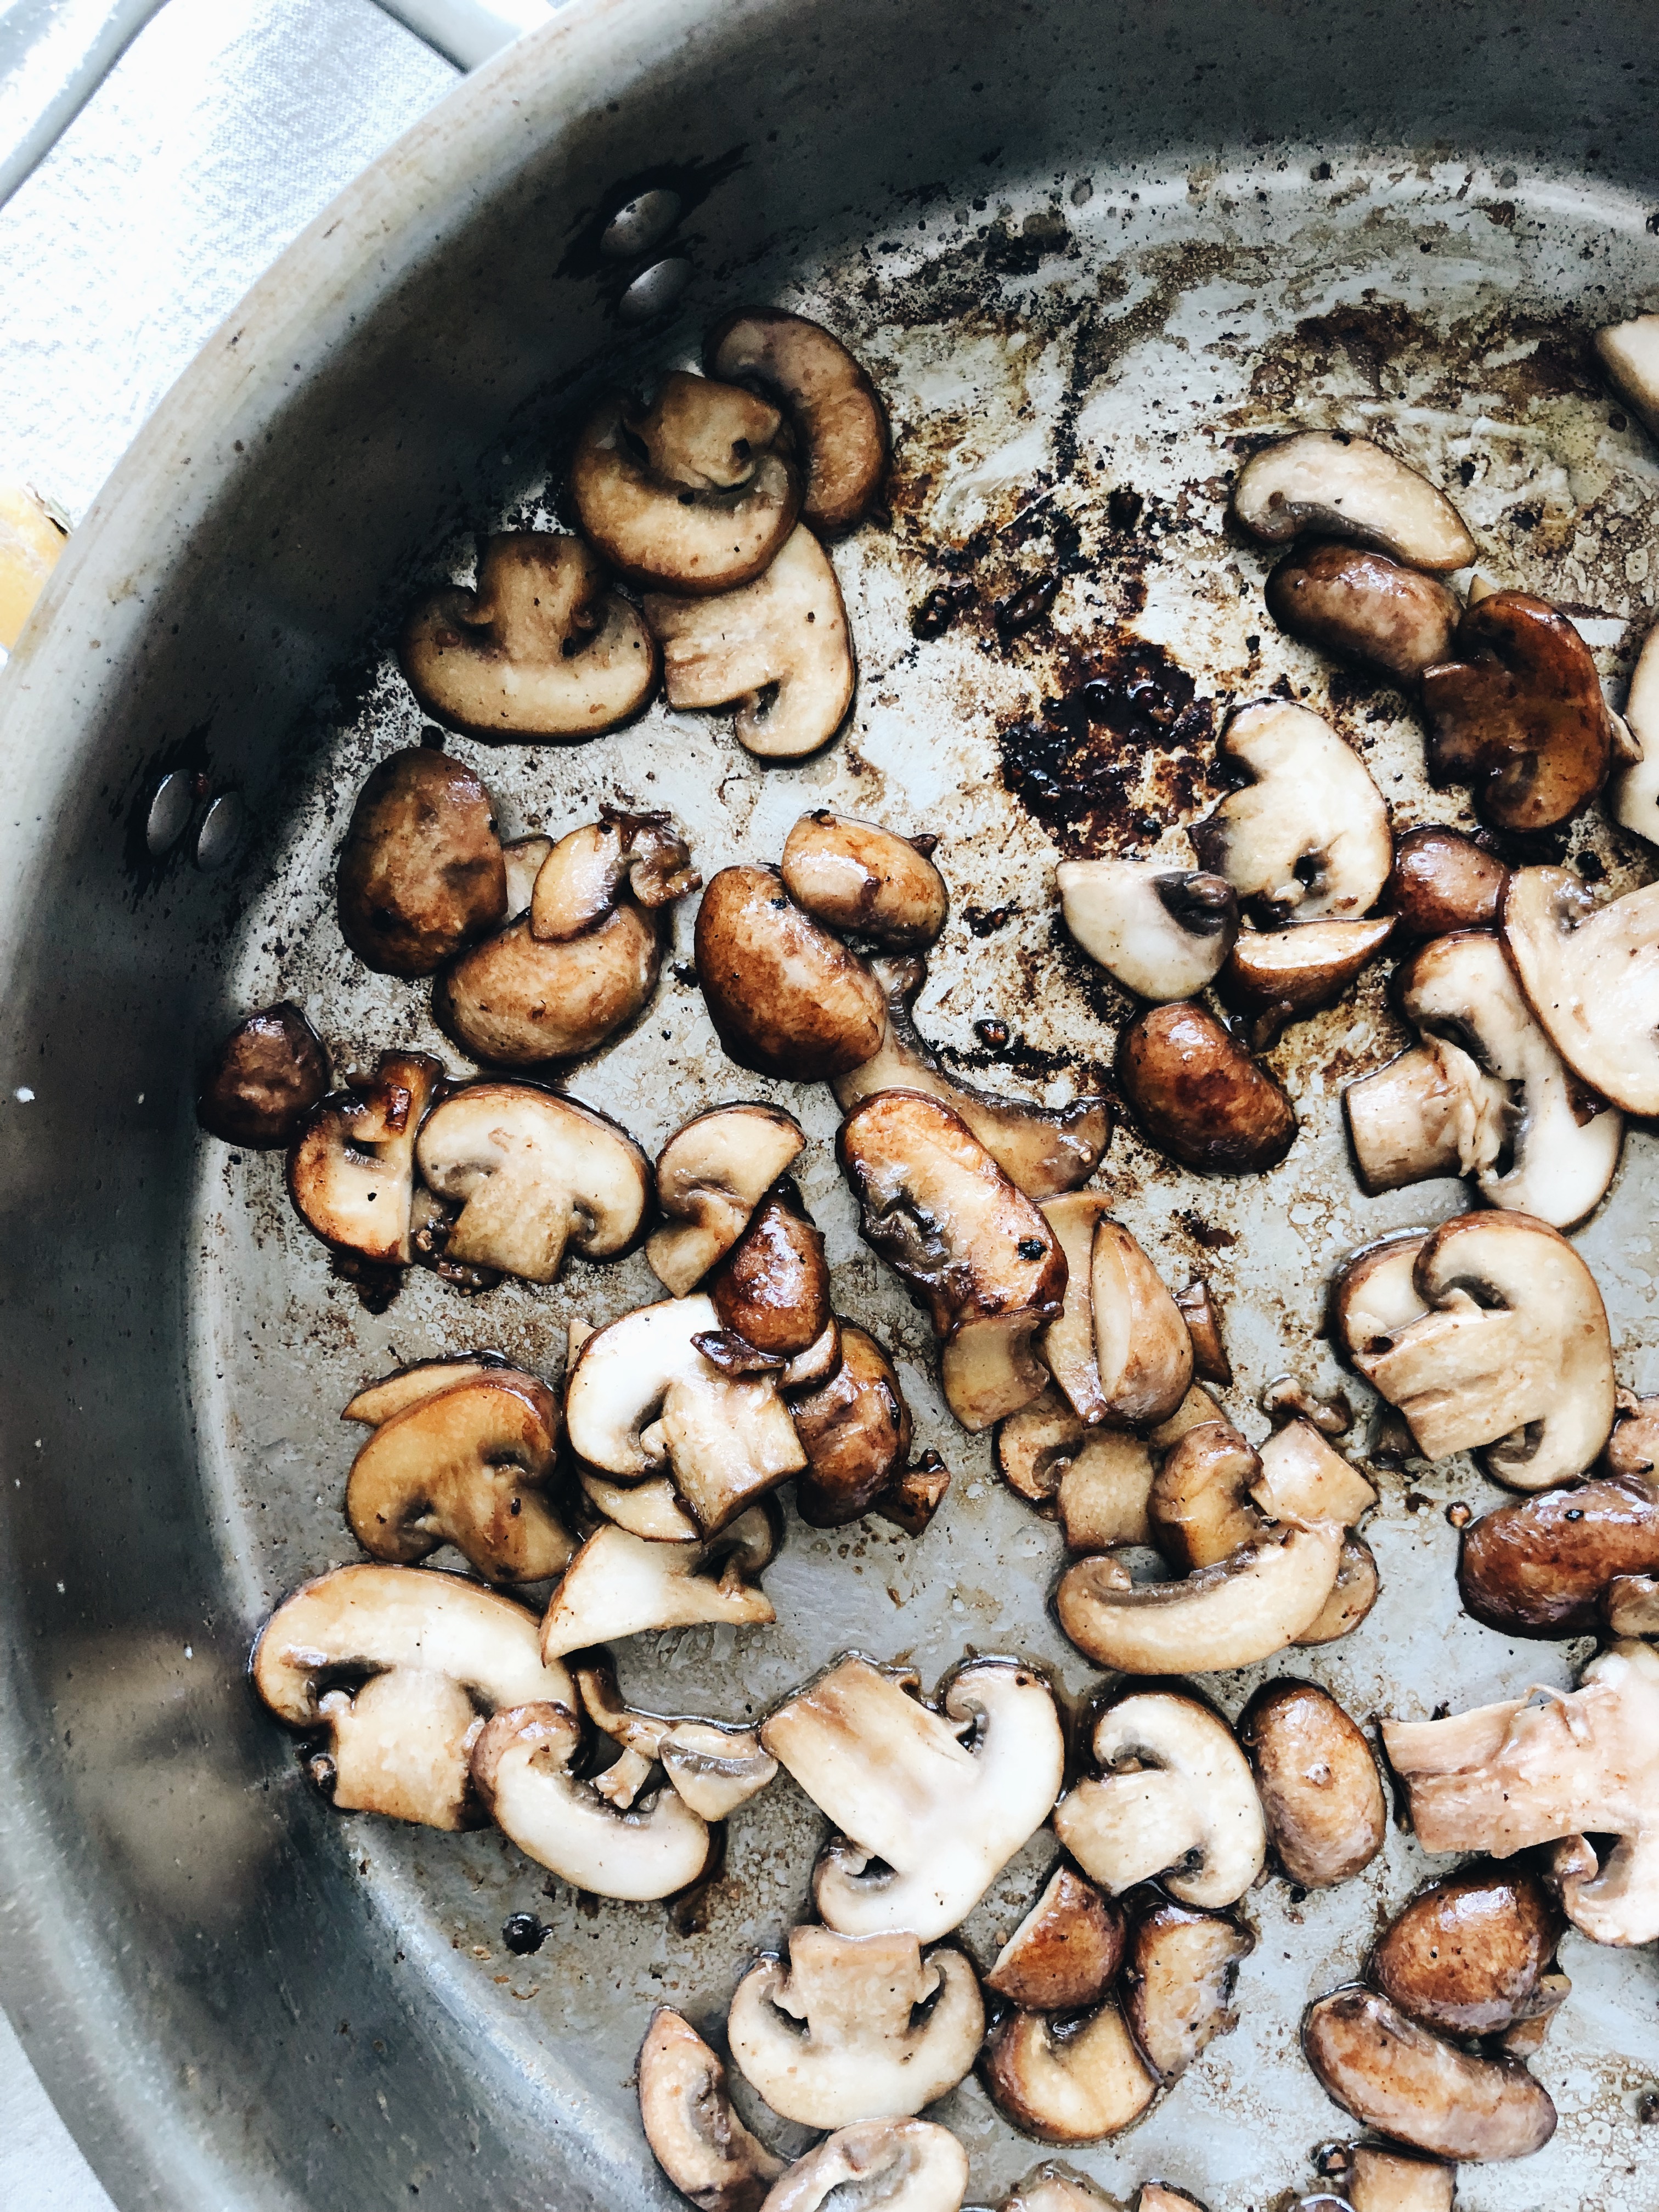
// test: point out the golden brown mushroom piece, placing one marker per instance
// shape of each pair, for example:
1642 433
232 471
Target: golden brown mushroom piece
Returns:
1409 2083
855 1431
1345 486
711 1175
1360 604
1275 976
1179 1973
839 422
772 1289
1073 2082
1065 1954
1443 881
1317 1781
694 494
1197 1094
785 996
263 1079
420 872
1470 1955
865 881
351 1168
542 647
686 2112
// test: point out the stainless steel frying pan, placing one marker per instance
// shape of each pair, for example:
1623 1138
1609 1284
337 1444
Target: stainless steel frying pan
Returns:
1083 248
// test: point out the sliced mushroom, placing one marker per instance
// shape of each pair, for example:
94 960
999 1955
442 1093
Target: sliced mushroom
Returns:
650 1509
1068 2083
1629 355
1340 486
1198 1096
1442 881
351 1168
620 1585
525 859
772 1289
1544 1565
1591 974
715 1766
711 1175
880 2166
1353 1593
263 1079
1065 1954
1510 1352
1047 1455
1468 1955
1262 1597
1203 1319
1388 2181
1067 1344
582 876
1518 714
695 2136
967 1243
839 422
1052 2187
1174 1798
865 881
1280 975
1363 606
421 873
1178 1980
1143 1350
837 2037
519 1001
1321 1794
1198 1508
377 1402
1634 791
1042 1150
1631 1605
1506 1778
1406 2082
855 1431
540 647
914 1495
1307 838
1163 933
785 996
693 494
427 1649
939 1816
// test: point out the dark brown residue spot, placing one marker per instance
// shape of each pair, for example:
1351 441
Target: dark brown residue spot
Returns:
1204 1233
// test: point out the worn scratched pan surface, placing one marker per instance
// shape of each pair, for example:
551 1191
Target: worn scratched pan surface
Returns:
1084 249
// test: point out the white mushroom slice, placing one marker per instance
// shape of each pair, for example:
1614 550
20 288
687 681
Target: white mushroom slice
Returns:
583 875
1266 1595
711 1175
377 1402
1068 2085
1373 1297
1163 933
535 1175
1548 1766
1142 1348
852 2046
351 1168
648 1508
839 422
879 2166
1308 839
435 1648
714 1766
1591 972
1633 790
1067 1347
780 647
525 858
1179 1975
1512 1353
695 2136
1629 354
521 1770
943 1814
1338 486
620 1585
1303 1482
1175 1798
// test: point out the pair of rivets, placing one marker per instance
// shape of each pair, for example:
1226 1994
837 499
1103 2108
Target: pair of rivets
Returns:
631 233
172 808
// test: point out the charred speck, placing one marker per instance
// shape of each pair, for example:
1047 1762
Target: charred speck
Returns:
954 559
1647 2105
1416 1501
1031 1248
1024 609
993 1035
523 1933
376 1287
1592 868
986 920
1124 508
1466 473
940 609
1202 1232
683 973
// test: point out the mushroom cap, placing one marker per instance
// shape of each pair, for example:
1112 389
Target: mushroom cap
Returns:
836 2038
1468 1954
772 1289
695 2136
834 409
778 646
711 1175
1143 1353
520 1001
1280 975
540 648
1066 2085
580 879
1442 880
869 882
1408 2083
1253 1604
694 494
883 2165
1591 975
351 1168
263 1079
1518 714
1347 487
1541 1566
855 1431
1197 1094
420 872
1178 1980
619 1584
1163 933
785 996
1321 1794
1065 1954
1358 604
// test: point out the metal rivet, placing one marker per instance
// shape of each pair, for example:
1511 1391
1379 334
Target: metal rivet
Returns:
169 812
635 229
654 291
222 830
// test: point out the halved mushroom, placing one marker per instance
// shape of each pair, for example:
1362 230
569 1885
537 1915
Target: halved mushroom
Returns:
1266 1595
1408 2083
778 648
1281 975
839 422
620 1585
541 647
1441 881
1591 974
1042 1150
1119 1348
1340 486
1359 604
582 876
426 1650
1380 2181
519 1001
784 995
864 881
351 1168
1469 1955
1065 1954
1485 1095
969 1247
1174 1798
694 494
1073 2082
468 1465
695 2136
1634 790
1321 1794
855 1431
1163 933
1508 1349
1178 1980
1307 838
521 1765
1629 355
859 2028
1518 714
1547 1767
715 1765
644 1398
939 1802
772 1289
711 1175
535 1175
421 873
263 1079
1197 1094
880 2166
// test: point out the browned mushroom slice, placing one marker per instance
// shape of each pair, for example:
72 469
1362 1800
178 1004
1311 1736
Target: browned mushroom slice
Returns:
1468 1955
881 2166
1262 1597
1380 2181
914 1495
1364 606
1406 2082
695 2136
785 996
713 1766
1074 2083
1198 1508
840 425
1518 714
979 1254
711 1175
855 1431
1353 1593
1347 487
1203 1319
1065 1954
772 1289
420 872
1179 1973
864 880
1044 1151
1282 975
351 1168
263 1079
582 876
692 494
540 648
519 1002
1067 1344
1320 1791
1541 1566
1198 1096
1442 881
377 1402
1591 972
